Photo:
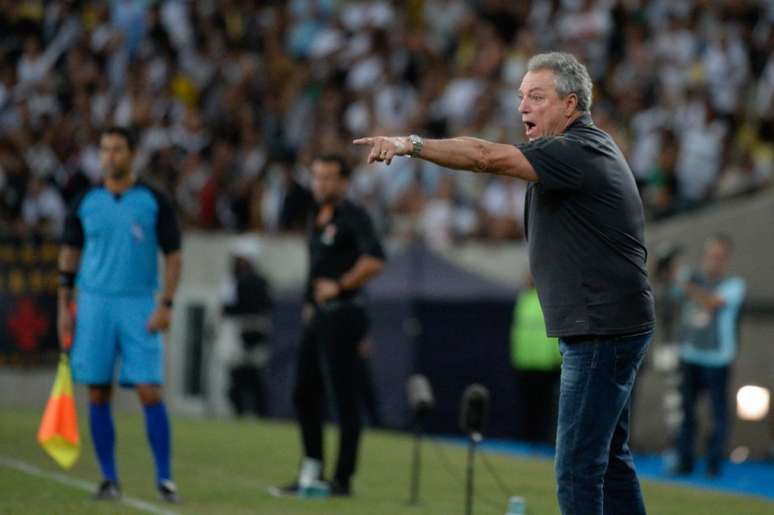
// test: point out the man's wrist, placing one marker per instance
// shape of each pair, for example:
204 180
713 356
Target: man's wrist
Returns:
416 143
167 303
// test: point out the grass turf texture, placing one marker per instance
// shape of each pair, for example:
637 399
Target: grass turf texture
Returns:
224 467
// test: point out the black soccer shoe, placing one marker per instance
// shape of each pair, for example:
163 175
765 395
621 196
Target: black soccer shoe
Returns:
339 488
107 491
168 492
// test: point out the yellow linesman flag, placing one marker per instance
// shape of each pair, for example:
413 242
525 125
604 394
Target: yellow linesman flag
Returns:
58 432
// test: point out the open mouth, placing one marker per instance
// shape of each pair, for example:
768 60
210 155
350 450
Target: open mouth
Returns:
529 127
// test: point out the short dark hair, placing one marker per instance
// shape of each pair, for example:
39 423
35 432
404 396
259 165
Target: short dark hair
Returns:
344 169
124 132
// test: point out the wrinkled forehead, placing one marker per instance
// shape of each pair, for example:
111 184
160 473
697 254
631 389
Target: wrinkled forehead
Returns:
542 80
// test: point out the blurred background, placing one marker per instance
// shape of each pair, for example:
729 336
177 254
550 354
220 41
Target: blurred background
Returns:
232 99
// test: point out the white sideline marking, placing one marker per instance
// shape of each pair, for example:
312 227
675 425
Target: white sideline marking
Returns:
80 484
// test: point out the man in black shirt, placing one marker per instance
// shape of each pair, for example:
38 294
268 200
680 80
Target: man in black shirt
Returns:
344 254
584 228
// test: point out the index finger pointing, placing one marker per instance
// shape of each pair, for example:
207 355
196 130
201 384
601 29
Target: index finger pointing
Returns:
363 141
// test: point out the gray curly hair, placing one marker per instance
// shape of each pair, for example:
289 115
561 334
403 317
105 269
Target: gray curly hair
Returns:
570 76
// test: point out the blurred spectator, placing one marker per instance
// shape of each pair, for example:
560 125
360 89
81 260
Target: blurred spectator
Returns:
444 219
286 202
701 156
503 209
247 303
661 192
685 88
43 208
711 301
296 204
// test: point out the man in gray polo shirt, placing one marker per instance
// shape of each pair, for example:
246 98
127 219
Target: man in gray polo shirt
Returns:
584 228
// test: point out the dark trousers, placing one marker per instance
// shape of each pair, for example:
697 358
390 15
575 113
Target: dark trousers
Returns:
697 379
536 399
595 472
328 363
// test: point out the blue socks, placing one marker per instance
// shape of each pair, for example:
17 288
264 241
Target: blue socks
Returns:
104 437
157 426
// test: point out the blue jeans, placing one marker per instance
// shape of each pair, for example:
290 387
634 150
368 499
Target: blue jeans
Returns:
713 380
594 467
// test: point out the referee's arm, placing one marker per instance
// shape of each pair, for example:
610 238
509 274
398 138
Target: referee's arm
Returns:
170 244
463 153
161 317
73 239
173 266
69 259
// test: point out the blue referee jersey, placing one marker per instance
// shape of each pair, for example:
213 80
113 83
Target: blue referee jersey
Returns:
120 237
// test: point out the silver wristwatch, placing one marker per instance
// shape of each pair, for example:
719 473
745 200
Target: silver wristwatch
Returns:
416 143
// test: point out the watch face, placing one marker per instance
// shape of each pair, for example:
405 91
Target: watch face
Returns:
416 143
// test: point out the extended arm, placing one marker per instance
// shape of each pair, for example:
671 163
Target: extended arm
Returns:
461 153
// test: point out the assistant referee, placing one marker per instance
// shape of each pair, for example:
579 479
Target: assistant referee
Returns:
584 229
112 238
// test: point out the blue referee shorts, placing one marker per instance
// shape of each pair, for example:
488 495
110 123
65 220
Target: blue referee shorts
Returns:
110 329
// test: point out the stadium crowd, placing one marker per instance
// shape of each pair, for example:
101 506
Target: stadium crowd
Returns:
231 99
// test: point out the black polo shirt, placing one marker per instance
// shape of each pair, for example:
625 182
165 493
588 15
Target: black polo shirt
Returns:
584 225
335 247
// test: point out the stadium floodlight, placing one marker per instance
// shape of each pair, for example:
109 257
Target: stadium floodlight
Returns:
752 402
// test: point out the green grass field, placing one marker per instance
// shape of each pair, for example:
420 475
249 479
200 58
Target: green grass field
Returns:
224 467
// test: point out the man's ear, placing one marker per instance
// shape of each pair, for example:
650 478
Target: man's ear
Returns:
570 104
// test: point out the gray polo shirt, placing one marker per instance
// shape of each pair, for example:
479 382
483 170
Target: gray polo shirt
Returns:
584 225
